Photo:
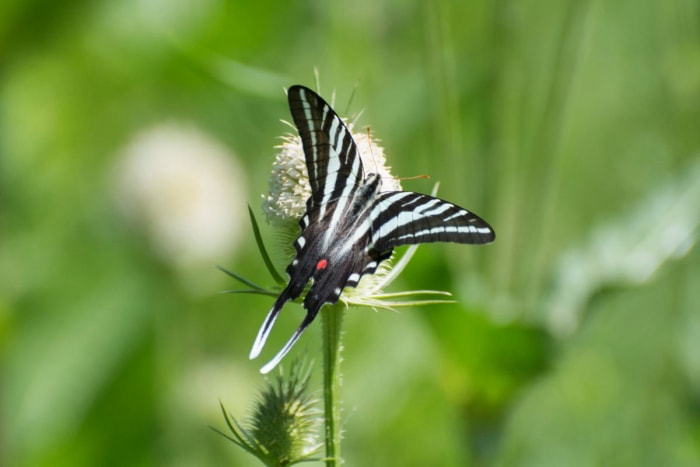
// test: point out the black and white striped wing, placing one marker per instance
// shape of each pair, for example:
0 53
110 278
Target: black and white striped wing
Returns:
332 159
406 218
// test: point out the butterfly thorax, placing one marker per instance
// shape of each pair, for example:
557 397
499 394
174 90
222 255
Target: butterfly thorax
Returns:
366 194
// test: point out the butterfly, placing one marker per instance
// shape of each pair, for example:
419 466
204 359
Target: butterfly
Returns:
350 226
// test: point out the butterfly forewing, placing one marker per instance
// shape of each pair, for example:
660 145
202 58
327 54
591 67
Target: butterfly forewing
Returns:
332 161
405 218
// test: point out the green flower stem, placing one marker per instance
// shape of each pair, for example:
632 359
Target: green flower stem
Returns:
332 320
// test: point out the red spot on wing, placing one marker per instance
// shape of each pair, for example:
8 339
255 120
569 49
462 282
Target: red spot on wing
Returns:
321 265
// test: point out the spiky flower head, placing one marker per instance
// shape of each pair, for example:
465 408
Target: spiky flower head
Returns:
284 428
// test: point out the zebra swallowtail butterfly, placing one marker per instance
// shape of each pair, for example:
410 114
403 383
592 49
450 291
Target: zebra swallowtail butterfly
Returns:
350 226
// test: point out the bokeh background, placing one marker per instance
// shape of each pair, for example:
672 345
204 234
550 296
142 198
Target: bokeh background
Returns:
134 133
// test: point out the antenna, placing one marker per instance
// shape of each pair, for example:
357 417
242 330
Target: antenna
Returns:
414 177
376 163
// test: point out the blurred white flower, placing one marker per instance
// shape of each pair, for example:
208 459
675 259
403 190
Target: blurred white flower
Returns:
185 191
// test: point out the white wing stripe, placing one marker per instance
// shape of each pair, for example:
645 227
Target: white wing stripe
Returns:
456 215
423 209
439 210
311 133
447 229
333 163
404 217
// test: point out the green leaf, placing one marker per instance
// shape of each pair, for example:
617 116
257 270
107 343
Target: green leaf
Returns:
261 246
258 292
241 279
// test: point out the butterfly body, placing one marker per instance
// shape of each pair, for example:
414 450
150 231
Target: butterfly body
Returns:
350 225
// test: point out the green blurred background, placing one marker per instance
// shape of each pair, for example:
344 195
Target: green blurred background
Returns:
133 134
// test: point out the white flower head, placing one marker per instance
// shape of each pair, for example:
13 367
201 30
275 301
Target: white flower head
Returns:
179 186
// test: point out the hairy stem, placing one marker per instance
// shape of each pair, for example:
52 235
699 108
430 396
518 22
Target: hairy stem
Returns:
332 320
